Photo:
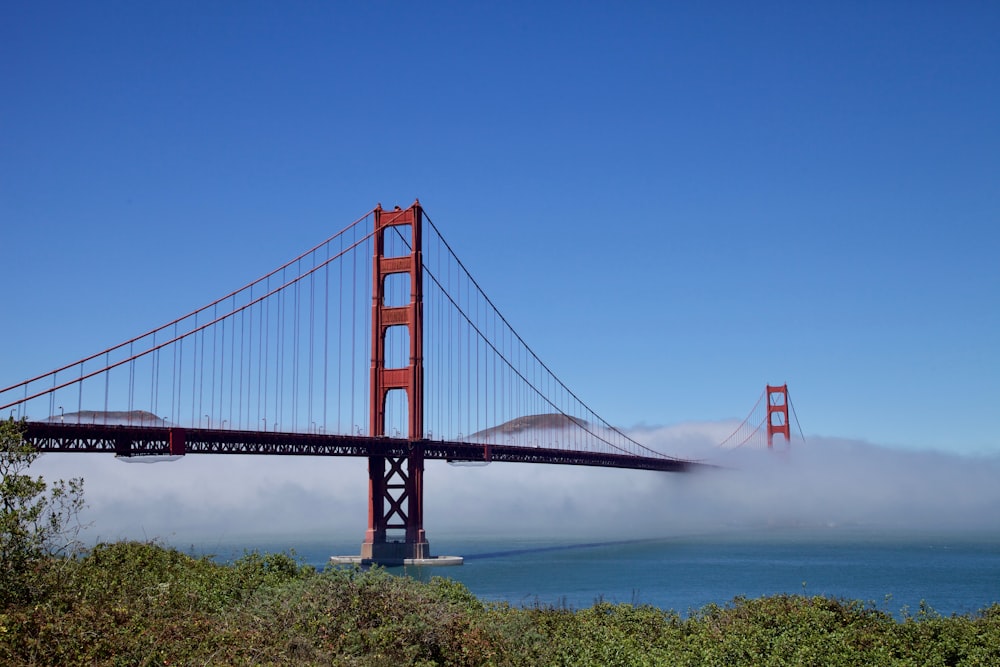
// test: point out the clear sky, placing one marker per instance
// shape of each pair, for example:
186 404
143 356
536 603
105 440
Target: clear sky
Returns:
674 203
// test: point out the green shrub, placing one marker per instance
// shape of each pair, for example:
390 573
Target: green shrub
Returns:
138 603
36 520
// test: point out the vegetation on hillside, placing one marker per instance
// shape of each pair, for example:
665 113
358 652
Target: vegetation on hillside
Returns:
136 603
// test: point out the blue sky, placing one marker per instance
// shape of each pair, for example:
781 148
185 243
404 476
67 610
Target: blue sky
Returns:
674 204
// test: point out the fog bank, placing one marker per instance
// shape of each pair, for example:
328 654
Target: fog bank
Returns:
828 484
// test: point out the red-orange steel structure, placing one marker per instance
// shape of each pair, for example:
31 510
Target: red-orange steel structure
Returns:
396 483
236 366
777 413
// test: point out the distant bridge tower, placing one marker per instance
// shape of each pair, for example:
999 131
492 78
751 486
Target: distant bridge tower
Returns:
396 493
777 413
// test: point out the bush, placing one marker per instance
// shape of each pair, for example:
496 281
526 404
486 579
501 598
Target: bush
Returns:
36 521
135 603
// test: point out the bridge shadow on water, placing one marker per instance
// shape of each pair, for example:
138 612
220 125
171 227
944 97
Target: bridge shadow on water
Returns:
730 535
558 547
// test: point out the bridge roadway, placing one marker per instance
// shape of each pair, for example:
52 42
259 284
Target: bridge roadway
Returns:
163 440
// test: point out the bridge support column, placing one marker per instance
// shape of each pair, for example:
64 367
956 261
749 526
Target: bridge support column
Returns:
777 414
395 483
395 513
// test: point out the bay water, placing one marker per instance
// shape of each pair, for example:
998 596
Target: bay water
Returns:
949 573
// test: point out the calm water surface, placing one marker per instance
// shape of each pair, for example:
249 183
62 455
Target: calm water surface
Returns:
953 574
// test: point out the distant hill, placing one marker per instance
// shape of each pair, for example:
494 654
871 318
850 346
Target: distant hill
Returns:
549 421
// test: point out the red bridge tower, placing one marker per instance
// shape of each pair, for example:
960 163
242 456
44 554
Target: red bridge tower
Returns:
396 493
777 413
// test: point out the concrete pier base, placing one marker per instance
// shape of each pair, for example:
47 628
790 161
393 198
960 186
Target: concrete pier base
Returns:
432 561
387 551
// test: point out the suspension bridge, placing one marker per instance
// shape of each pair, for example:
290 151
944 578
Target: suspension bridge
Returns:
375 343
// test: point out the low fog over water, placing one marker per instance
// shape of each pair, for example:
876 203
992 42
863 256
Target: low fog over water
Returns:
838 486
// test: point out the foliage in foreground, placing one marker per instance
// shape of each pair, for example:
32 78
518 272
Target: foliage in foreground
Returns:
37 519
137 603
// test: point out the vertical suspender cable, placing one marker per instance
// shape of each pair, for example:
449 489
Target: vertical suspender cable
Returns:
354 314
264 352
312 340
326 336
